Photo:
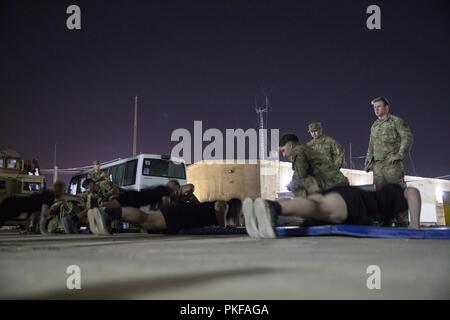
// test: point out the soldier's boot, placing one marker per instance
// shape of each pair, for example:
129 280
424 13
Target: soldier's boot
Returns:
402 220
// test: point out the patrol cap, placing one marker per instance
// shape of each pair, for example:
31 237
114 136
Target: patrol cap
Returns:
314 126
382 99
86 182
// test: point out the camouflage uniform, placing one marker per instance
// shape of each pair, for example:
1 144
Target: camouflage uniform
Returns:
330 148
313 172
61 208
390 136
90 200
95 175
106 191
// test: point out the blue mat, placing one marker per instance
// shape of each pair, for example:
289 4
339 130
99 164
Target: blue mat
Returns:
365 232
213 230
442 233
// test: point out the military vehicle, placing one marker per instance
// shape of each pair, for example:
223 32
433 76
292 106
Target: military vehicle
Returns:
19 177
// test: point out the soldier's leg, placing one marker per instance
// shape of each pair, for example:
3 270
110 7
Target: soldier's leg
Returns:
378 176
114 203
327 208
412 195
154 220
82 216
394 173
171 218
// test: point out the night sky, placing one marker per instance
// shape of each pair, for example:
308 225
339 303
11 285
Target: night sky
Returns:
207 60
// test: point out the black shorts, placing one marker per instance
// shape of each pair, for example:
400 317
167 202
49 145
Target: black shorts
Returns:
13 206
9 208
188 215
367 207
149 196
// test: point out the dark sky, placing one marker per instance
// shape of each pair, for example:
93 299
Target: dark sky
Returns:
206 60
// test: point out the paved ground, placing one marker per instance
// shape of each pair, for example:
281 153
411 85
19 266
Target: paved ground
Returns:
141 266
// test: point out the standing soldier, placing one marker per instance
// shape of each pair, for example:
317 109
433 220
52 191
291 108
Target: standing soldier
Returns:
390 141
326 145
96 174
312 171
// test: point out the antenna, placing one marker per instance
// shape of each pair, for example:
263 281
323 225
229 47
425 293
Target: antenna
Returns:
135 126
260 112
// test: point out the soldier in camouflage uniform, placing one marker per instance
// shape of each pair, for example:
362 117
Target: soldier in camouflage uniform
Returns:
100 193
96 174
326 145
313 172
65 212
390 141
54 221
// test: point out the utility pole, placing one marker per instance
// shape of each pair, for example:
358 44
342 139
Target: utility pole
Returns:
135 126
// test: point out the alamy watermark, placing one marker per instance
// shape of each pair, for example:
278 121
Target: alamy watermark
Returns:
237 144
73 21
374 280
73 281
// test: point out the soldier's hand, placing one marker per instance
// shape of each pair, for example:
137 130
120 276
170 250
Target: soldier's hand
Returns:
368 166
392 158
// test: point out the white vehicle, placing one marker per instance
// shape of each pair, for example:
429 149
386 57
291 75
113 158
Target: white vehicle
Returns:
137 172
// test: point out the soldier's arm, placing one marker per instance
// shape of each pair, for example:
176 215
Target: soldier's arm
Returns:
369 156
338 154
45 214
406 137
110 191
301 165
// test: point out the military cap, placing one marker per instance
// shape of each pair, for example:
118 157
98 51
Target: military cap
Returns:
315 126
96 162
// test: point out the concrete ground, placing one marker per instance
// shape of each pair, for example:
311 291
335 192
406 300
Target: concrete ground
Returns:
141 266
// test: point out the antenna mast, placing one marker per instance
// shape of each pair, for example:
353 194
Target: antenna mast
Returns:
260 112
